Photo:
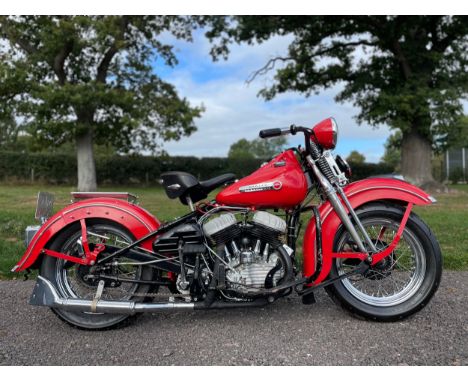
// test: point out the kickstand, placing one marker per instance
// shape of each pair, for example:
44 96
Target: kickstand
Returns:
26 275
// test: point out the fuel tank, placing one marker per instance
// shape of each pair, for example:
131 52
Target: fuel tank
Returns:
278 184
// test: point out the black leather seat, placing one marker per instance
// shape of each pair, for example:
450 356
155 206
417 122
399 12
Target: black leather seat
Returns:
178 184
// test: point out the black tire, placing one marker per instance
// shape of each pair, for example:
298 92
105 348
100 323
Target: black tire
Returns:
53 269
424 279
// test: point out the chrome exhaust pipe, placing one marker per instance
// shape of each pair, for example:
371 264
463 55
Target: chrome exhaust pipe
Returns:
45 294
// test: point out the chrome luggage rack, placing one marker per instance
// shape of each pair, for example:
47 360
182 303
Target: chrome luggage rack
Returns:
77 196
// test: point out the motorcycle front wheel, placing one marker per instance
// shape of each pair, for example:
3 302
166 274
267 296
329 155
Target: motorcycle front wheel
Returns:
399 285
73 280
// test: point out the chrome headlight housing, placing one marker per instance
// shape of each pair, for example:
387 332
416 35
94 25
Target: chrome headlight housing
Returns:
334 131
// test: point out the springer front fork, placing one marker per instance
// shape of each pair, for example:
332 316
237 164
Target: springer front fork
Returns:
335 201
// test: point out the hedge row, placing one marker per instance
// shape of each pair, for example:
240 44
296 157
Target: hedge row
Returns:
61 168
364 170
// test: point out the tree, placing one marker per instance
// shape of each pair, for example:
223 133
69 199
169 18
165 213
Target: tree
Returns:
409 72
241 149
90 79
459 137
257 148
392 152
356 157
8 131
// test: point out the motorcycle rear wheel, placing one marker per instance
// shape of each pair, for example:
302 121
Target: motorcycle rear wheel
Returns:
401 284
70 282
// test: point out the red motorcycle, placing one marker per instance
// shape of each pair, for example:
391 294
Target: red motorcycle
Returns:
102 259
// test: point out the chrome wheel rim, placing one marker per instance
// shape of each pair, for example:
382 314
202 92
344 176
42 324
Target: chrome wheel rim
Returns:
390 283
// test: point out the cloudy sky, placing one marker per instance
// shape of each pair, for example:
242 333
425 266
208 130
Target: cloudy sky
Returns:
233 110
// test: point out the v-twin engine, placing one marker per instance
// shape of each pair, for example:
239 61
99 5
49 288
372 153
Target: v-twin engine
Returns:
249 248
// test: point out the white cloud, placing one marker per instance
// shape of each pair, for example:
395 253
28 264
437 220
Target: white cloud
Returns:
233 110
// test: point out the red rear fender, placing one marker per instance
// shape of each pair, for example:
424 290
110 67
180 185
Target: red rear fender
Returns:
137 220
358 193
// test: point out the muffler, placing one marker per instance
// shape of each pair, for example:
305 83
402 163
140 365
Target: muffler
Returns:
45 294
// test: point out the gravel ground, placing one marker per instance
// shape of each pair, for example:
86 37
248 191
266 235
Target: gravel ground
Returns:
285 333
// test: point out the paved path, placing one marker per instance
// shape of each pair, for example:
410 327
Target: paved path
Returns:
285 333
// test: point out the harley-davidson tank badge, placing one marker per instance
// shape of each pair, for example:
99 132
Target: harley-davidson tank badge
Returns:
275 186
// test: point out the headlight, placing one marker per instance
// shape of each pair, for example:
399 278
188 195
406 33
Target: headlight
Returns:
326 133
335 132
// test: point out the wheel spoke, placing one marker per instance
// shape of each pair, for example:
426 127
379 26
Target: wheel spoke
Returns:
74 283
395 277
381 234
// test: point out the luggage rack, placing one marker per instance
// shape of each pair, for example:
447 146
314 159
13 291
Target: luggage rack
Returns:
77 196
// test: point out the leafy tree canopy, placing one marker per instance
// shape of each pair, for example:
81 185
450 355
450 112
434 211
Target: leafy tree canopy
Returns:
459 138
91 79
356 157
8 131
257 148
409 72
396 69
62 74
392 152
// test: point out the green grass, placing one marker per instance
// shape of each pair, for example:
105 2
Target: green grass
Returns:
448 219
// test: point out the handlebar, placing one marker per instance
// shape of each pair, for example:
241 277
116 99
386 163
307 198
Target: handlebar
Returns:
293 130
270 133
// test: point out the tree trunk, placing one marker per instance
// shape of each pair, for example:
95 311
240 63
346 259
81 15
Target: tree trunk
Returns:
416 165
86 164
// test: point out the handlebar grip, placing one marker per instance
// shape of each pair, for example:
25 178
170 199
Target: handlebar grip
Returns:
269 133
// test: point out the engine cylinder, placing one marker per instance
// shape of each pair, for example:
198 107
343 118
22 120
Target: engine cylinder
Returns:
269 221
222 229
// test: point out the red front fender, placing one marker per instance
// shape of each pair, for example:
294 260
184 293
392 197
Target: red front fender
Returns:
358 193
137 220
